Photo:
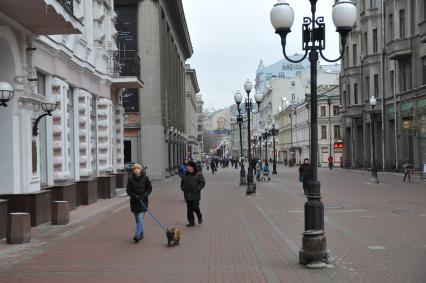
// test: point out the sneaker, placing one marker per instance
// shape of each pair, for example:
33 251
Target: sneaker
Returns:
200 220
141 237
190 224
136 239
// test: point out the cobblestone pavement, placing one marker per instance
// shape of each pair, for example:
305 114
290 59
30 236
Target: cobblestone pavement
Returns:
375 233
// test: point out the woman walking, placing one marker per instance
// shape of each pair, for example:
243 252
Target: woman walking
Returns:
138 188
304 174
192 184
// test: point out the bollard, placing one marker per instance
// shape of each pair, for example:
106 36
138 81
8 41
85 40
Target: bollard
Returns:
60 213
18 228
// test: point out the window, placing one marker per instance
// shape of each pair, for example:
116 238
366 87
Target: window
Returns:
293 83
323 111
373 4
268 76
344 97
365 43
402 23
375 43
390 27
293 97
347 56
392 82
405 76
424 9
335 110
355 93
323 132
367 86
424 70
354 55
349 95
336 129
41 84
376 85
281 75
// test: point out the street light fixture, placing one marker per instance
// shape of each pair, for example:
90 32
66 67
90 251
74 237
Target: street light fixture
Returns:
374 179
314 248
248 103
265 136
48 105
238 98
6 93
273 131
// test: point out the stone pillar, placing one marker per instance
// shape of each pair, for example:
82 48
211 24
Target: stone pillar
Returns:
149 19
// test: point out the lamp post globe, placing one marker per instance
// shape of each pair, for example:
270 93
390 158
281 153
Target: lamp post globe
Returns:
6 93
282 16
248 86
238 97
344 15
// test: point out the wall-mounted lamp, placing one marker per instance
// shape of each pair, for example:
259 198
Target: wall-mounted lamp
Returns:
6 93
48 105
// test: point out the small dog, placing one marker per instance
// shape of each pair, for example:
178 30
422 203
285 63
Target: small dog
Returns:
173 236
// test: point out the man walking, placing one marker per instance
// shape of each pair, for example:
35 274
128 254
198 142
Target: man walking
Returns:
192 184
304 174
330 162
406 166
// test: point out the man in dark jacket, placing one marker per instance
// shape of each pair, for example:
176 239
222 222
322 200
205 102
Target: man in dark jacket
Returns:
192 184
138 188
213 165
304 174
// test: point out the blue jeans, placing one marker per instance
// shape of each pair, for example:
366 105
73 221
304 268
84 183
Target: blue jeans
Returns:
139 223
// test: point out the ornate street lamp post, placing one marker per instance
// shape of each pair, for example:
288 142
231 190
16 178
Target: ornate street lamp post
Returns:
6 93
374 179
314 247
238 98
48 105
248 103
273 131
265 136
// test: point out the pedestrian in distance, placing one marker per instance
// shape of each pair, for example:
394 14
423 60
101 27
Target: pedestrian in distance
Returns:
182 168
408 170
213 165
138 188
192 184
304 174
285 162
330 162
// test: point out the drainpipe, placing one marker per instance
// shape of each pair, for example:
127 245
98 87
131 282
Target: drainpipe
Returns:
396 118
382 65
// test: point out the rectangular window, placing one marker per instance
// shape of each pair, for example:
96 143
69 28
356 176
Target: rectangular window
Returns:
391 27
365 43
335 110
349 95
323 132
424 70
424 9
405 76
355 93
402 23
336 129
375 42
344 97
41 84
373 4
376 85
293 83
367 87
347 56
392 82
323 111
354 55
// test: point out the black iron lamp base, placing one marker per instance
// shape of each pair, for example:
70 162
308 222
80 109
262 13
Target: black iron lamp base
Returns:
314 252
251 189
243 181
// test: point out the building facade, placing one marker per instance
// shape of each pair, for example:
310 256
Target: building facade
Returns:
200 127
64 52
191 122
382 60
155 136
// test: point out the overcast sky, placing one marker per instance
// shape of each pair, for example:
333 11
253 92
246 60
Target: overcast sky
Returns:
230 37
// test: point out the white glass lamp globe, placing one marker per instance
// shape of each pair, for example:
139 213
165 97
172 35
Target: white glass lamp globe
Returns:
258 97
373 101
238 97
282 16
248 85
344 14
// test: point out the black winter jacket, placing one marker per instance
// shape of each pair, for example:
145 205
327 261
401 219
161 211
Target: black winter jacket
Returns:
192 184
138 188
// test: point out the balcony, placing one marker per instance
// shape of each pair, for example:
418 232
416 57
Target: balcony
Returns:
43 17
399 49
124 66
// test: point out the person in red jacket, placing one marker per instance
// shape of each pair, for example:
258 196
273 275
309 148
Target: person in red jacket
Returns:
330 162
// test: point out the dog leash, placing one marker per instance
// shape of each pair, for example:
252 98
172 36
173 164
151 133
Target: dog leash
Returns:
153 217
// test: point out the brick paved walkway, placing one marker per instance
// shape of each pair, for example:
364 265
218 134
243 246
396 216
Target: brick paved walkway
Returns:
374 233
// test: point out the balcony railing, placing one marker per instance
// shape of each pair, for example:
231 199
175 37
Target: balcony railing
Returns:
68 5
124 63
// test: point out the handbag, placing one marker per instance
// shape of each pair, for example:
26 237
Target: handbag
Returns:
301 178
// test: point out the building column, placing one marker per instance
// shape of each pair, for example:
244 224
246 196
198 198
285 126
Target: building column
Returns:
150 102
